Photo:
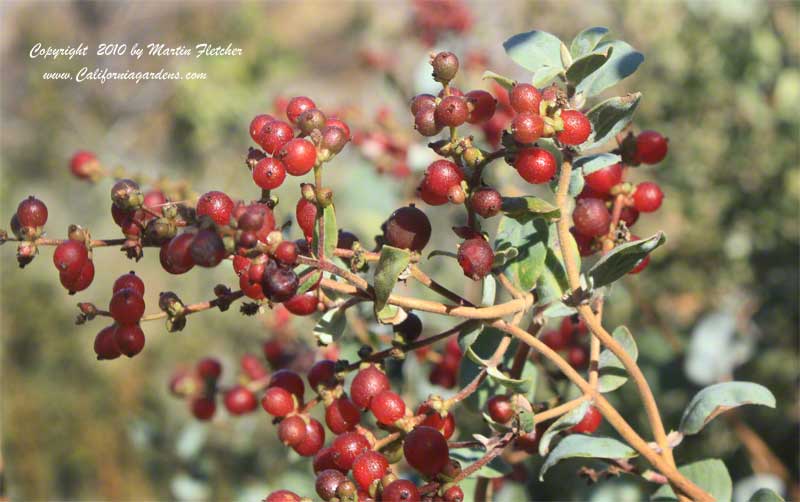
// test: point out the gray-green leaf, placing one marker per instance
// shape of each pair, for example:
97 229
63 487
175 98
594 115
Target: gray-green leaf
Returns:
580 73
330 327
506 82
494 469
622 259
719 398
711 475
765 495
534 49
612 372
528 206
623 61
524 269
563 423
578 445
331 232
609 117
392 263
587 40
591 163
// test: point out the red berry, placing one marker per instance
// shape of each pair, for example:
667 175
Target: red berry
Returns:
369 467
240 400
590 422
346 447
651 147
556 340
129 338
476 257
426 450
454 494
577 128
82 281
401 490
481 106
422 102
69 258
315 438
306 214
500 409
252 289
292 430
82 164
32 212
446 425
298 155
252 367
278 402
591 217
209 368
290 381
525 98
207 249
297 106
440 176
368 383
257 126
527 127
445 66
647 197
282 496
342 415
629 215
323 373
203 408
216 205
154 201
310 120
388 407
286 253
535 165
269 173
486 202
573 325
302 305
280 283
451 111
578 357
177 257
334 122
130 281
425 122
407 228
328 482
323 460
274 135
126 306
333 139
105 346
603 180
584 242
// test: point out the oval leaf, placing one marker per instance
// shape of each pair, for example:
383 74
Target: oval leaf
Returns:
524 269
719 398
494 469
563 423
711 475
592 163
578 445
507 83
331 232
580 70
528 206
610 117
765 495
330 327
623 60
391 264
534 50
622 259
612 372
587 40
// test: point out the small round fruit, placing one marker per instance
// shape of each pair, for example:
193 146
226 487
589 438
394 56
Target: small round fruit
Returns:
175 256
629 215
105 346
535 165
286 253
315 438
69 258
388 407
527 127
282 496
82 281
476 258
209 368
401 490
333 139
203 408
323 373
82 164
556 340
32 212
129 338
481 105
216 205
334 122
445 66
257 126
368 383
207 249
278 402
500 409
302 305
130 281
342 415
346 447
310 120
603 180
289 381
446 425
577 128
240 400
647 197
327 482
590 422
440 176
323 459
486 202
426 450
525 98
425 122
306 214
126 306
369 467
591 217
407 228
274 135
269 173
573 325
578 357
410 328
292 430
422 102
454 494
297 106
280 283
298 155
451 111
651 147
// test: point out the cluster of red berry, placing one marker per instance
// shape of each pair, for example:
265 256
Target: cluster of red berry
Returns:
433 19
570 338
125 335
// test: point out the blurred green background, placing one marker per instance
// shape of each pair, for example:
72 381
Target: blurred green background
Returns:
719 301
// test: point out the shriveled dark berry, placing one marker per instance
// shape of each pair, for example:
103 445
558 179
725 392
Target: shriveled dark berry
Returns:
207 249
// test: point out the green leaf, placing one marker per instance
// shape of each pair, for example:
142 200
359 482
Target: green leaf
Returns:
311 278
331 232
622 259
528 206
391 264
469 333
622 62
476 353
488 291
592 163
719 398
579 73
514 385
506 82
545 75
494 469
534 49
330 327
553 282
578 445
587 40
557 310
525 268
711 475
576 183
765 495
563 423
612 372
609 117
